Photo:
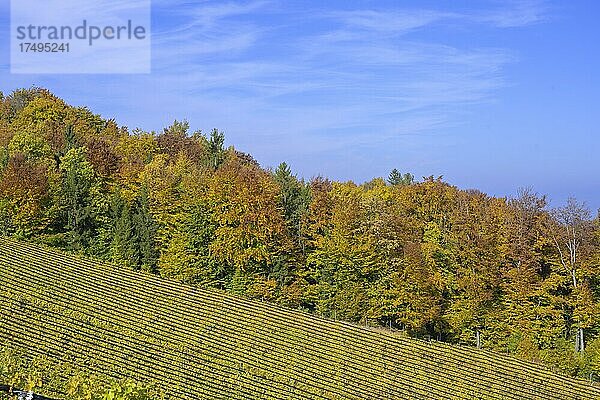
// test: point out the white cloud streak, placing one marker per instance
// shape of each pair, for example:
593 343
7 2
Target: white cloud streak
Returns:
517 13
353 78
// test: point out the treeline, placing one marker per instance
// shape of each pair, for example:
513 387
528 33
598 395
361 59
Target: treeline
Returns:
426 257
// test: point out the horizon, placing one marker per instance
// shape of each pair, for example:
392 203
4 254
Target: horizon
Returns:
352 92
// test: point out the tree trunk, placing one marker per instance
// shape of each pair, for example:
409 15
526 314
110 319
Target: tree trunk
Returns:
579 340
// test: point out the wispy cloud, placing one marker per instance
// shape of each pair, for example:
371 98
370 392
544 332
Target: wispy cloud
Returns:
517 13
391 22
290 86
209 15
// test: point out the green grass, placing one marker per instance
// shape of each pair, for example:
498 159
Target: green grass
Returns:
211 345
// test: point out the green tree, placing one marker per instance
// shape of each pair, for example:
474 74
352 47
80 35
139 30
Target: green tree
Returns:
79 185
146 230
216 149
124 247
396 178
294 198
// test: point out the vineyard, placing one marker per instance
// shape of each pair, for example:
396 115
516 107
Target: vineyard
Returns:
204 344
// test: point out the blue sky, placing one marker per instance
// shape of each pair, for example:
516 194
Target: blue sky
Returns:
493 95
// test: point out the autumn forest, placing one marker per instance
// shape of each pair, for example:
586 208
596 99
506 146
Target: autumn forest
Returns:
404 253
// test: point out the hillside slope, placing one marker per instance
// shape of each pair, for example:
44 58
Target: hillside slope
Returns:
210 345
